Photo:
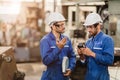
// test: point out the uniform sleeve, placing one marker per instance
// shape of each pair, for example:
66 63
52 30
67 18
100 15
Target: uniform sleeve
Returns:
107 56
48 54
72 57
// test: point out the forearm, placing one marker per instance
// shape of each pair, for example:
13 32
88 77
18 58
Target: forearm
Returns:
105 59
72 63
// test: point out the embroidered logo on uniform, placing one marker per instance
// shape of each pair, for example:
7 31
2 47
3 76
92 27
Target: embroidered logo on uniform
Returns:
66 46
97 48
53 47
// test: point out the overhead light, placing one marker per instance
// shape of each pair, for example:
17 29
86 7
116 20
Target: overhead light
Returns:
10 8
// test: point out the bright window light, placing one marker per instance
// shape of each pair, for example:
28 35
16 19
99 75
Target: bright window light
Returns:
10 8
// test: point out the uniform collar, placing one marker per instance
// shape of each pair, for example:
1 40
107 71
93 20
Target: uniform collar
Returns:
97 36
53 37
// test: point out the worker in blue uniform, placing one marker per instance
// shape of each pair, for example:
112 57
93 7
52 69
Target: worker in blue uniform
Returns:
54 47
99 50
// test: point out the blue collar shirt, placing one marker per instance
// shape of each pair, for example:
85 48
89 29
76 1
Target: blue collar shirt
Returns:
52 57
103 46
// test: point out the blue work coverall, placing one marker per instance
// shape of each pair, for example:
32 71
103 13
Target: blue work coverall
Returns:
103 46
52 57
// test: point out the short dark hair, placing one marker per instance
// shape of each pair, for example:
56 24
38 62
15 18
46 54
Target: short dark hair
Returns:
95 25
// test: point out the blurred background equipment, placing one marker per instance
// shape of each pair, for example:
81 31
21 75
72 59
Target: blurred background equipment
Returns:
8 66
22 24
117 56
20 27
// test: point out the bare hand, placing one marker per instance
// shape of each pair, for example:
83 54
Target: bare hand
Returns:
82 56
79 51
61 43
86 51
68 72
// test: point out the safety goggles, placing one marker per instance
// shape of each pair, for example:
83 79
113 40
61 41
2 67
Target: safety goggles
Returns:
59 24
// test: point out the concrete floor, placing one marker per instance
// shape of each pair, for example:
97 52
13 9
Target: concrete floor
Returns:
34 70
114 73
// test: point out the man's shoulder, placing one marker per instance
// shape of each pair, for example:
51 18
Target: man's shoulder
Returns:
45 37
106 36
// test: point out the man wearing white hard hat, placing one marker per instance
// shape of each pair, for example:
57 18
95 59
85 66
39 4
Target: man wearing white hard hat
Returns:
54 47
99 50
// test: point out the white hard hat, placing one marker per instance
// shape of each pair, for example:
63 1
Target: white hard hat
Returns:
92 18
54 17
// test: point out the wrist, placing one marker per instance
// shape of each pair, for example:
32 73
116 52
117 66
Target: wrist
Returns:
82 56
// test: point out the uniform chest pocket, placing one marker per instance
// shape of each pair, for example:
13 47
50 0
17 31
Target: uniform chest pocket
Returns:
97 50
66 46
98 47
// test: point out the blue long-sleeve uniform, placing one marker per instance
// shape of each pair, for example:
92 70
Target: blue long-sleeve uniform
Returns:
52 57
103 46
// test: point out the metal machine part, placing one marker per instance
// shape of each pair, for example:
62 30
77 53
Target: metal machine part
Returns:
19 75
8 68
6 58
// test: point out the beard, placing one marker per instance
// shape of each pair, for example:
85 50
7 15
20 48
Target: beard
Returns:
92 34
61 31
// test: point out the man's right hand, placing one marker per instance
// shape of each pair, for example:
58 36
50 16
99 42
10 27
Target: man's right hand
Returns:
82 56
60 44
79 51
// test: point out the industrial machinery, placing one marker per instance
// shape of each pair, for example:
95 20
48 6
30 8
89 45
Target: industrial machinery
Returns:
8 68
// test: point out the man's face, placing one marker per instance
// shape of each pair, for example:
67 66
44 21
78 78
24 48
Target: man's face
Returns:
60 27
92 30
